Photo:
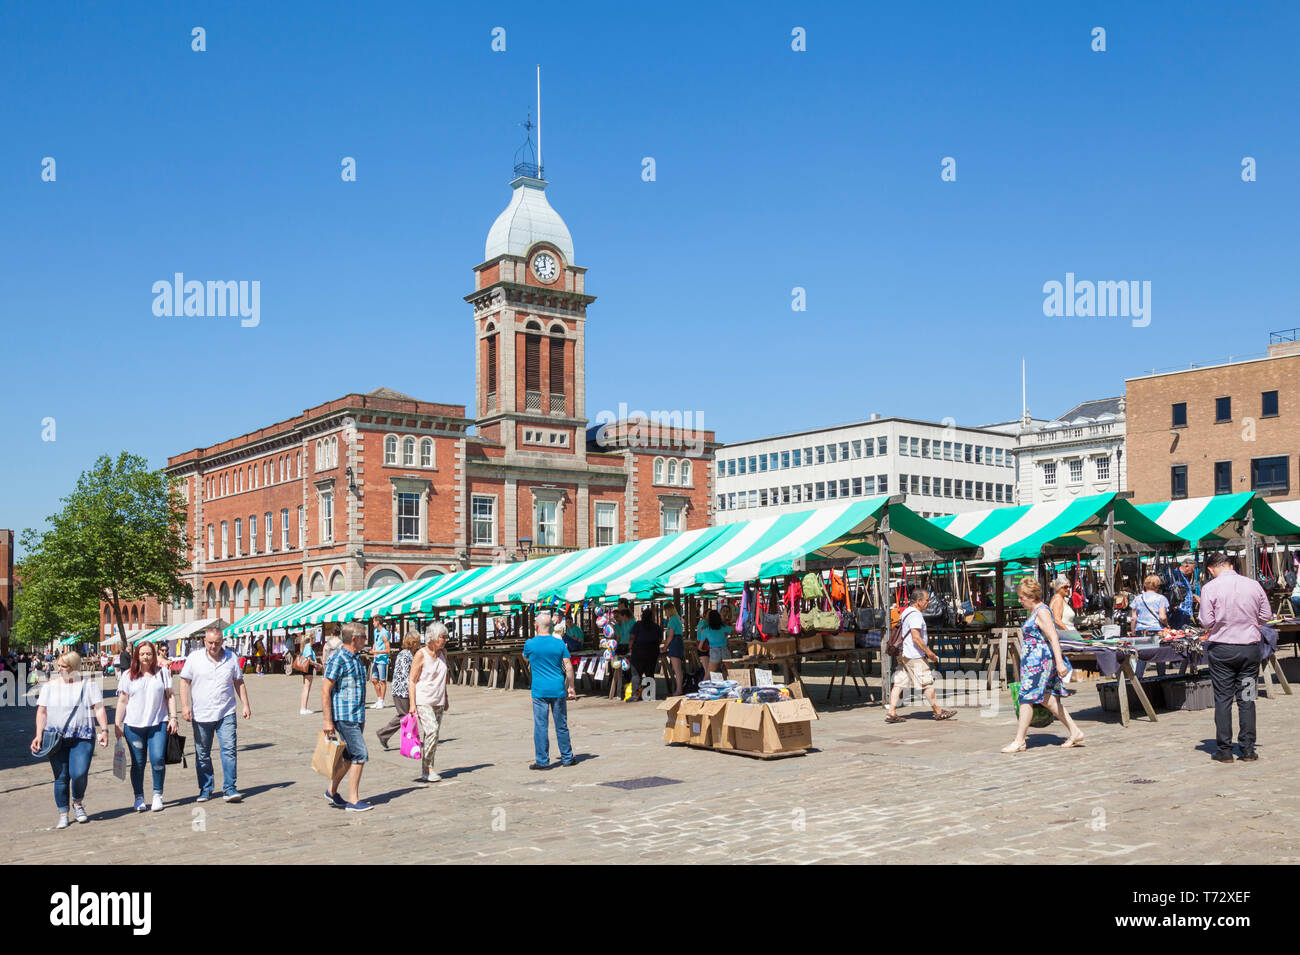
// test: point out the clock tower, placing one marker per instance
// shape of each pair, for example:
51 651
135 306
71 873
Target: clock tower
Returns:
530 316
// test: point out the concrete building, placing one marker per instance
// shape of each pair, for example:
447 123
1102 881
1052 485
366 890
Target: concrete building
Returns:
1217 429
1080 453
942 468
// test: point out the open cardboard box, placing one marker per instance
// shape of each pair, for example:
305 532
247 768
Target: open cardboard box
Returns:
698 722
768 727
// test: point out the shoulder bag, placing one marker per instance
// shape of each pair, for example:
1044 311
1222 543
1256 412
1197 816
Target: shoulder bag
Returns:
51 737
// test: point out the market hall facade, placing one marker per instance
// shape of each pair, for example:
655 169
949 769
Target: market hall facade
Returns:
380 487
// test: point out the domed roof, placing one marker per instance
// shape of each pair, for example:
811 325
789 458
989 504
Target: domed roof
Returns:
528 219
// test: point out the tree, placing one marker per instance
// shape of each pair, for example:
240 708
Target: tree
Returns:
119 537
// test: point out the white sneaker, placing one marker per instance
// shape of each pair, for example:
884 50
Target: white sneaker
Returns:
304 712
378 705
433 778
63 823
157 803
80 812
233 797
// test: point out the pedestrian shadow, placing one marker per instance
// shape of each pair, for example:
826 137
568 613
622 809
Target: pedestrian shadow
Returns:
583 757
385 798
462 770
244 794
1209 747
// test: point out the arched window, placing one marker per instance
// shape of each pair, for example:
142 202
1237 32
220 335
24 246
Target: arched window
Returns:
390 449
254 596
533 368
239 596
298 588
336 582
318 457
408 452
108 615
225 596
286 592
672 470
268 588
659 470
426 453
686 473
334 452
318 583
135 616
555 356
212 595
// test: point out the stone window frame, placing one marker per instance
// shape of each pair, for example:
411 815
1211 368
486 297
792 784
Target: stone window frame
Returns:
496 524
411 485
560 498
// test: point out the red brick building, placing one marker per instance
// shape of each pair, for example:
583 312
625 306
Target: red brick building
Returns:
383 487
1218 429
8 587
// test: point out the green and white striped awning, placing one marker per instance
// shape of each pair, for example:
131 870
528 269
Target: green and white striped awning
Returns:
779 545
1025 531
418 596
177 631
1212 519
246 622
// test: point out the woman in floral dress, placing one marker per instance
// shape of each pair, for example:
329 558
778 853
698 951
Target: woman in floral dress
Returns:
1043 670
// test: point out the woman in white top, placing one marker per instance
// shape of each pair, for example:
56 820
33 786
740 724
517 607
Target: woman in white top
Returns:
428 693
145 714
1062 609
73 705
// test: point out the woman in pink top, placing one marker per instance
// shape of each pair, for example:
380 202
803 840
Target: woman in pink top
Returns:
428 689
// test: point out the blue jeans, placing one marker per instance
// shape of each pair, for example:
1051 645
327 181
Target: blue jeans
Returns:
71 763
153 741
542 710
225 733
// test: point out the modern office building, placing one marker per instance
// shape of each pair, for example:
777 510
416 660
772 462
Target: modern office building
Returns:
942 468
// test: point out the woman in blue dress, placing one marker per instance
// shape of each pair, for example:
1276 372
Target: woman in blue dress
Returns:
1043 669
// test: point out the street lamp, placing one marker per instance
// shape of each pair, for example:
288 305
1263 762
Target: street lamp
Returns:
525 545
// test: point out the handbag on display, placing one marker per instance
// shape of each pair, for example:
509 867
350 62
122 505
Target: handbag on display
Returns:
812 586
808 620
793 622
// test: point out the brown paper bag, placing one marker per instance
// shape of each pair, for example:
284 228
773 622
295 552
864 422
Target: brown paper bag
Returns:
328 756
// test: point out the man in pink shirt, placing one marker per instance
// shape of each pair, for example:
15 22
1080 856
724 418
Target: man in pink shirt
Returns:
1232 609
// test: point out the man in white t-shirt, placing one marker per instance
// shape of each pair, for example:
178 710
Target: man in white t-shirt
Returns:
210 682
915 671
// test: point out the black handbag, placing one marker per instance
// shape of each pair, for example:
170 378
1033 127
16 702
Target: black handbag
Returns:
52 738
175 750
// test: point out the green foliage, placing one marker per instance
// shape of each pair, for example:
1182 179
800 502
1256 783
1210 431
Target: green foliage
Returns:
119 537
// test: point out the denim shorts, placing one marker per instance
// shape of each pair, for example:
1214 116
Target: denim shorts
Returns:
354 741
379 669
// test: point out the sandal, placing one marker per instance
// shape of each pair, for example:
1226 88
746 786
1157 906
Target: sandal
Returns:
945 714
894 719
1013 748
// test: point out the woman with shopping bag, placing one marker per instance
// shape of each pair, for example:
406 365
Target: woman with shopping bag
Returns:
429 700
145 714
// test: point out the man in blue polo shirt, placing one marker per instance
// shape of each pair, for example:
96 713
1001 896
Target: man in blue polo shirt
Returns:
343 700
548 658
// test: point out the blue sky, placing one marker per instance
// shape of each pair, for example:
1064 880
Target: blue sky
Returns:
775 169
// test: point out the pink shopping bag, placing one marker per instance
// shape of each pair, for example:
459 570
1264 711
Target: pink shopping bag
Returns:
410 737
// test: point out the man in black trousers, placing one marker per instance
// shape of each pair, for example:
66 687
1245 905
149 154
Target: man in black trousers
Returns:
1232 609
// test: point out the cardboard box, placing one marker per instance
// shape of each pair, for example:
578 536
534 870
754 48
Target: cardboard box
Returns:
676 729
778 647
808 644
769 727
693 721
839 641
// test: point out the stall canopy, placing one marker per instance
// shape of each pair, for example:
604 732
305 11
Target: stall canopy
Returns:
179 631
1213 519
780 545
1024 532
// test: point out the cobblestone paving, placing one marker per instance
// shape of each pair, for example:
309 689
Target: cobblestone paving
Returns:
918 791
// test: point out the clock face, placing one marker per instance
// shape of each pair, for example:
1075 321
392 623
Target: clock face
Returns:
545 267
